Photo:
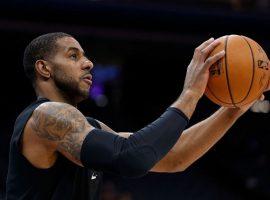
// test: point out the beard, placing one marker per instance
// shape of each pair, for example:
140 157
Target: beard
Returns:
68 85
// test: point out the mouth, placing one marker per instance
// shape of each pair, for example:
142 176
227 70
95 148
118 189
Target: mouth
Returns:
87 79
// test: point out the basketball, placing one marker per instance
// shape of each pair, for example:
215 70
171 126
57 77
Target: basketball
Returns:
241 76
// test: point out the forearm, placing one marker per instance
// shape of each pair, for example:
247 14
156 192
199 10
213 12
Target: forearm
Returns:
197 140
187 102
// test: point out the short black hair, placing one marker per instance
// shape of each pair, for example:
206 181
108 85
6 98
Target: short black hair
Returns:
40 48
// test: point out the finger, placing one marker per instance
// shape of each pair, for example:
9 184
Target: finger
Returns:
262 97
213 59
207 50
205 44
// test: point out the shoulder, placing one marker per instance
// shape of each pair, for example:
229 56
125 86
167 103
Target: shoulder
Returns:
52 120
57 111
52 108
56 127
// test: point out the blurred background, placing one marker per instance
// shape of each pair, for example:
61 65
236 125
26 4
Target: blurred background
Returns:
141 49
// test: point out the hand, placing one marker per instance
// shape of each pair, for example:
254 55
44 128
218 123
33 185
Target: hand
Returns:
246 107
198 70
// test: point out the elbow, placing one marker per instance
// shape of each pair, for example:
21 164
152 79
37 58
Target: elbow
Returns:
137 163
178 169
136 169
178 166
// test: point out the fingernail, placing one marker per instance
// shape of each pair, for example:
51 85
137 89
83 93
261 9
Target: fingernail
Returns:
211 39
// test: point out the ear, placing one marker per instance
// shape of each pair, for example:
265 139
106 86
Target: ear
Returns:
43 69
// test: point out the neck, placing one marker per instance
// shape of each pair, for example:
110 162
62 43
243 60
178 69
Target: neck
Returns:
54 94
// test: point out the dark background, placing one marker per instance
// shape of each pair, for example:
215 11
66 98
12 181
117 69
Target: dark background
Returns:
148 45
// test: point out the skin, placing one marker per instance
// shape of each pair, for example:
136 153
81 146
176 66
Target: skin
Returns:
59 127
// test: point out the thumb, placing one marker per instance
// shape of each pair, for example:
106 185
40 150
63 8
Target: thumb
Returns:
262 97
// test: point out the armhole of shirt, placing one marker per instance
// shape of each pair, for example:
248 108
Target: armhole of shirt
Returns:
17 142
93 122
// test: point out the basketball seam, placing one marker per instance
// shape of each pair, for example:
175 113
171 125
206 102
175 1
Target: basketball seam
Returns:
216 96
253 71
257 97
226 69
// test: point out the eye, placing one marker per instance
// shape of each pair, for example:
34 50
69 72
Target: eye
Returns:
73 56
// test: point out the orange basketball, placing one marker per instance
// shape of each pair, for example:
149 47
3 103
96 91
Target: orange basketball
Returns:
241 76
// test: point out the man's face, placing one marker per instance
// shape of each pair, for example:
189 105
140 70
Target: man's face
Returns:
71 69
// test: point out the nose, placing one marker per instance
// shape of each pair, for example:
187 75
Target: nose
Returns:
87 65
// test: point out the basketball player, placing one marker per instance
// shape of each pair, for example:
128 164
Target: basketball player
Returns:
58 153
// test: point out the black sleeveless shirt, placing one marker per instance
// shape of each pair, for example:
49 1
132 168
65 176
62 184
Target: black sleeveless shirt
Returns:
64 180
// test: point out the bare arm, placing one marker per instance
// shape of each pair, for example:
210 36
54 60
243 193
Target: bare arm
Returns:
61 126
197 140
